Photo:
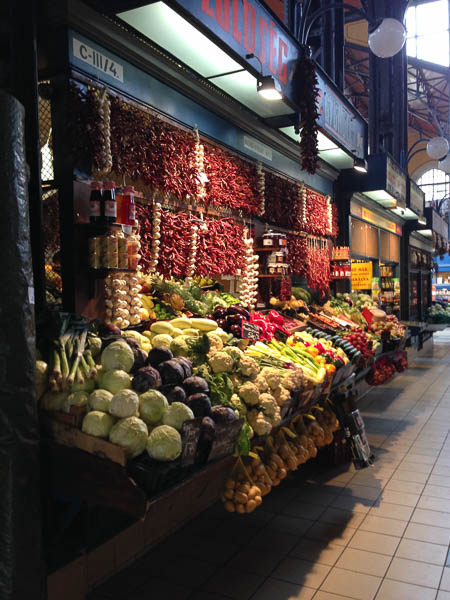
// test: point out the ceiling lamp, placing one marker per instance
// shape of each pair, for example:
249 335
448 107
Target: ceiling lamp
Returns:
269 88
437 148
444 164
360 165
387 38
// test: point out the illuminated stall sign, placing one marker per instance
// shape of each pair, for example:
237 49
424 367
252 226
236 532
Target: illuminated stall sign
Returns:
416 199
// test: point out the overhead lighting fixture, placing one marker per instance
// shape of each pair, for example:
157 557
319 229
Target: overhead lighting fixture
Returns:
360 165
266 85
387 38
437 148
269 88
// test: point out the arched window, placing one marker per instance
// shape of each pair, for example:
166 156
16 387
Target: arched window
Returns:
436 185
428 32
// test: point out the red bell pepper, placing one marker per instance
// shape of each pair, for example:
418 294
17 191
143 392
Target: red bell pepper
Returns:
275 317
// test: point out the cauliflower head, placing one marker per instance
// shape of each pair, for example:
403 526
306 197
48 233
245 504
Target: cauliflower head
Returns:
261 383
234 351
272 376
215 342
248 366
221 362
281 395
293 380
268 404
249 393
261 425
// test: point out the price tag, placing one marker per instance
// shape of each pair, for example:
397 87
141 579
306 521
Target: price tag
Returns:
226 439
190 434
250 331
280 335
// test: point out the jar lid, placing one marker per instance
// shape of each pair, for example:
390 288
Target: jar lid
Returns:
96 185
109 185
128 189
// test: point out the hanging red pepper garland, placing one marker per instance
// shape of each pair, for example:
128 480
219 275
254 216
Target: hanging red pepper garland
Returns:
307 91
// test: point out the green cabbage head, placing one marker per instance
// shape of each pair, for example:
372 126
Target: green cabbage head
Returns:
164 443
124 404
152 405
97 423
100 400
74 399
118 355
130 433
114 381
176 414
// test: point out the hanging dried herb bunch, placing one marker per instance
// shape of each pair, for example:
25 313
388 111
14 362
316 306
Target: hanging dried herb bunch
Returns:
307 92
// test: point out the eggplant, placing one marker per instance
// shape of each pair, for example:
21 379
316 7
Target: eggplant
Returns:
237 309
221 322
219 312
235 319
236 330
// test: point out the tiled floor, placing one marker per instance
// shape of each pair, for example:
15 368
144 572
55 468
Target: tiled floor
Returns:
336 534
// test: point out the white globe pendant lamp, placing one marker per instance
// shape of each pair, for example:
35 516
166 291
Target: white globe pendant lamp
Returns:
437 148
444 164
388 38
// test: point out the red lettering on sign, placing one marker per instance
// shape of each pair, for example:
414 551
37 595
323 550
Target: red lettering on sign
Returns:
207 9
282 52
262 40
248 9
272 49
224 21
236 33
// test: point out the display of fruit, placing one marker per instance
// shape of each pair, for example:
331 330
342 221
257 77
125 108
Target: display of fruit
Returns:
358 338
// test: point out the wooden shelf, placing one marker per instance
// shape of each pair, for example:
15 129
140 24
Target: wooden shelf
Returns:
267 249
271 276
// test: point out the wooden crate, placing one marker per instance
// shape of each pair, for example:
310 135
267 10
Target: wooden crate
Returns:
70 436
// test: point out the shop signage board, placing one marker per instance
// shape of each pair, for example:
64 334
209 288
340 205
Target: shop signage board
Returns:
436 223
416 198
396 182
362 275
247 27
370 217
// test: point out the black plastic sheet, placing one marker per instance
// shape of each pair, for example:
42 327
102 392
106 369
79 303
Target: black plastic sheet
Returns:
21 565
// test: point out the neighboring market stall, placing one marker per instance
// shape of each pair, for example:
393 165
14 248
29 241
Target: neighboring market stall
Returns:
193 349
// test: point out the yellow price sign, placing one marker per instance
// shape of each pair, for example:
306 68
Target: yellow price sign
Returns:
362 276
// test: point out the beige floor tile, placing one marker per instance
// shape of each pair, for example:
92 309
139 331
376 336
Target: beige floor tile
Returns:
442 596
327 596
369 478
343 518
404 475
268 539
323 553
417 573
396 485
295 508
428 533
437 491
416 467
349 584
375 542
445 471
315 494
363 492
402 498
293 525
383 525
440 480
430 517
364 562
437 504
351 504
445 581
259 562
330 533
274 588
302 572
420 459
391 511
233 583
422 551
396 590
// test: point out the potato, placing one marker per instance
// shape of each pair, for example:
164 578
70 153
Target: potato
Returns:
241 498
244 487
240 508
250 506
258 500
230 483
276 482
282 473
276 458
229 494
229 506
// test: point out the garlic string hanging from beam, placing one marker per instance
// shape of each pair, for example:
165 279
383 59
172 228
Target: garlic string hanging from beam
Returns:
200 166
248 289
192 253
104 111
330 216
261 188
156 235
303 198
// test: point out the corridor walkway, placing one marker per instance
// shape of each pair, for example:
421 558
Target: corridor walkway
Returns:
324 534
